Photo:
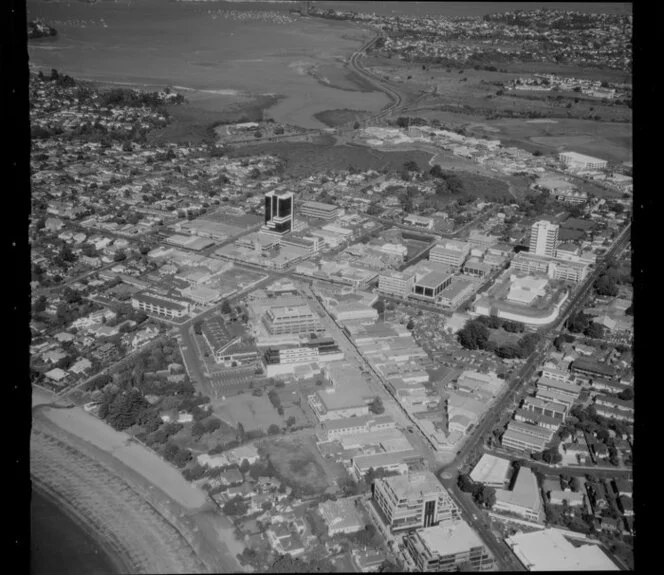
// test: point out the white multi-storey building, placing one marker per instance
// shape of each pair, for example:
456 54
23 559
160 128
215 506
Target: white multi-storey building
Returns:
543 238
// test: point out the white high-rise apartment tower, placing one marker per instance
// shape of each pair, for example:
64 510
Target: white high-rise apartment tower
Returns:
543 238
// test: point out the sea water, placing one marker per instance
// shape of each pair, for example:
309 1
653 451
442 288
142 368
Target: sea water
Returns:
60 545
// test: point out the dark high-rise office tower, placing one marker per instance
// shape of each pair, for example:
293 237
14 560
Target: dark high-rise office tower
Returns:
279 212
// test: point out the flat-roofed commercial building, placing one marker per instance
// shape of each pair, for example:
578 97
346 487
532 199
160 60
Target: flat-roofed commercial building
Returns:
530 263
412 501
523 499
458 290
310 243
549 550
429 286
569 271
319 210
555 397
159 305
450 252
356 425
396 461
476 268
446 547
564 388
283 359
491 470
590 369
581 162
545 421
480 240
396 283
291 319
526 437
418 222
548 408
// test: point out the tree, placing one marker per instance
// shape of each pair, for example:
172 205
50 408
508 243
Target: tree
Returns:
606 285
226 308
465 483
273 429
198 429
376 406
236 506
594 331
627 394
486 496
356 126
552 455
578 322
474 335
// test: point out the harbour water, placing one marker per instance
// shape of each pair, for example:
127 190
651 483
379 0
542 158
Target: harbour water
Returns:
60 545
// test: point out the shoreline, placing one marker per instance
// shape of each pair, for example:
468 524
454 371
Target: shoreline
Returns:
109 508
113 551
131 514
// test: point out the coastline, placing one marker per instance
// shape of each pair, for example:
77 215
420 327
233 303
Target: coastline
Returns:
154 525
113 551
108 507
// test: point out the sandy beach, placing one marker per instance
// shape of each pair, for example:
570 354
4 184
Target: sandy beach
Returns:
137 505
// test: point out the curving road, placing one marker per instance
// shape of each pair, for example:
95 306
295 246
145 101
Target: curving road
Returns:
392 94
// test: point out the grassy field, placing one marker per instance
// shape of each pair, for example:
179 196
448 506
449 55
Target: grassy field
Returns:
305 159
502 337
251 411
298 464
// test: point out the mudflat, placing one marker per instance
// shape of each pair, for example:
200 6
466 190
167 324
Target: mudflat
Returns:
214 60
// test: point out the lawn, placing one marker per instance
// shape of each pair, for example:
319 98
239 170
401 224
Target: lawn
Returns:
502 337
251 411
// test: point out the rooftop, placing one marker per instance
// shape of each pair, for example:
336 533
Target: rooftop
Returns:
525 492
490 469
411 486
449 537
549 550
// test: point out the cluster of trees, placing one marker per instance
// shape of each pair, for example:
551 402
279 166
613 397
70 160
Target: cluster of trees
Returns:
135 99
202 427
124 409
236 506
286 564
582 323
376 406
475 335
482 494
176 455
275 400
550 455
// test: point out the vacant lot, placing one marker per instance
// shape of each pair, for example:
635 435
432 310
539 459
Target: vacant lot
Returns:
251 411
299 465
305 159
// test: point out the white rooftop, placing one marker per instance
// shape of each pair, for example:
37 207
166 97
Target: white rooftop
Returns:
491 470
549 550
450 537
